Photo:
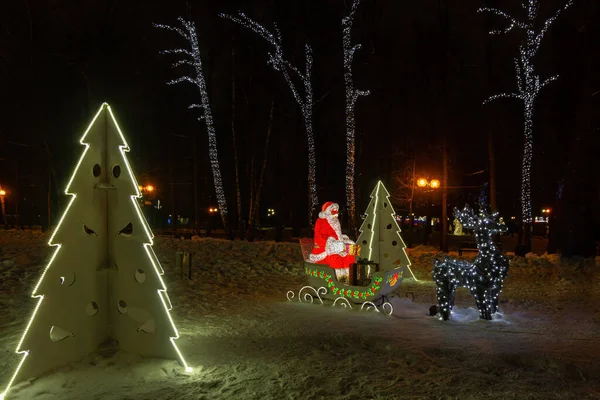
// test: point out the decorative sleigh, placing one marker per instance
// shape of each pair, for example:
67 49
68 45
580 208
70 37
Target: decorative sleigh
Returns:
372 278
369 292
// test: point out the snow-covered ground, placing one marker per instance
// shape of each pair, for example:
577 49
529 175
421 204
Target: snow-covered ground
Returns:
246 341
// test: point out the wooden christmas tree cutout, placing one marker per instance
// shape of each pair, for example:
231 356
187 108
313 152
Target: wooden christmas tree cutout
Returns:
380 238
103 282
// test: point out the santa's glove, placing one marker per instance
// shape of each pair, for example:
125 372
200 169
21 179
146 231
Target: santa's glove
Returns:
346 239
334 246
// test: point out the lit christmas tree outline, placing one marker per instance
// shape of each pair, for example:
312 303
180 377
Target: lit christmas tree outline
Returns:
279 63
371 233
528 83
162 292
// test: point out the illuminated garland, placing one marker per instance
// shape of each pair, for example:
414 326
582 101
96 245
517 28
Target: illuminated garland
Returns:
351 96
528 84
279 63
339 291
162 292
484 277
192 58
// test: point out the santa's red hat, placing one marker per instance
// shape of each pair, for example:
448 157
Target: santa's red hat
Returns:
327 208
327 205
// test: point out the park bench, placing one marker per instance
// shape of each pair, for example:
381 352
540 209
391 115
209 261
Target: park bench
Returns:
471 246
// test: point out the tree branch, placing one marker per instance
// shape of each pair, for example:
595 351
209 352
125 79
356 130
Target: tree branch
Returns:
503 95
182 79
174 29
547 81
512 20
548 24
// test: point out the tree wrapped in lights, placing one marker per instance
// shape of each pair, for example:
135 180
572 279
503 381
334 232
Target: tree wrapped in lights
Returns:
380 239
103 282
192 58
529 85
484 277
352 96
279 63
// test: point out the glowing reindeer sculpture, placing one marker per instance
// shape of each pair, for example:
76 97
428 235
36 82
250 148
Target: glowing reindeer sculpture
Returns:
484 277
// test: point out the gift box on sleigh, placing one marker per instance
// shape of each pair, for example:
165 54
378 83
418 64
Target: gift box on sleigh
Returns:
361 272
353 249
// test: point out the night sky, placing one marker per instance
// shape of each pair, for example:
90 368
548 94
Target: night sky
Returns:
59 60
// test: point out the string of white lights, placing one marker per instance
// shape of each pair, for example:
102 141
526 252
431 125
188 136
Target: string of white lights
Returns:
193 59
484 277
352 95
279 63
529 84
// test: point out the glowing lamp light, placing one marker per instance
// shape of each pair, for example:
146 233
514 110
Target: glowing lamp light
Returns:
150 188
213 209
422 182
434 183
2 192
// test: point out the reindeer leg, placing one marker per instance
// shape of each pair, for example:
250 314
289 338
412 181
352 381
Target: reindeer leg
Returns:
445 289
495 294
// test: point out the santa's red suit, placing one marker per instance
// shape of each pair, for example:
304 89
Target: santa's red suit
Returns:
330 246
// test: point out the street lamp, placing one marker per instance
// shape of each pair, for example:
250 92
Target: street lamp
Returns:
433 184
146 189
2 195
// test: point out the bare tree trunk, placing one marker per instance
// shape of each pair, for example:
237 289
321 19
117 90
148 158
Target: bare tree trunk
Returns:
49 205
250 234
352 95
444 224
264 166
412 186
17 194
492 160
235 157
195 175
49 182
445 20
172 173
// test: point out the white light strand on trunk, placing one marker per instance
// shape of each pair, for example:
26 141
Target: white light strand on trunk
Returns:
192 58
352 95
528 85
278 63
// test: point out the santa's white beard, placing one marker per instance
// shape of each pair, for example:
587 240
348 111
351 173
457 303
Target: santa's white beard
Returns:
335 224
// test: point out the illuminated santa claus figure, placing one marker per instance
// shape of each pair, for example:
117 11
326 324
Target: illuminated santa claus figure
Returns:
331 247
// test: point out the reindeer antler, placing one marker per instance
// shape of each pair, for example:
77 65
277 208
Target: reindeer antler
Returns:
466 216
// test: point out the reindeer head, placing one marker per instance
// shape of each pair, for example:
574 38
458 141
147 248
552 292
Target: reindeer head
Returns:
482 223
